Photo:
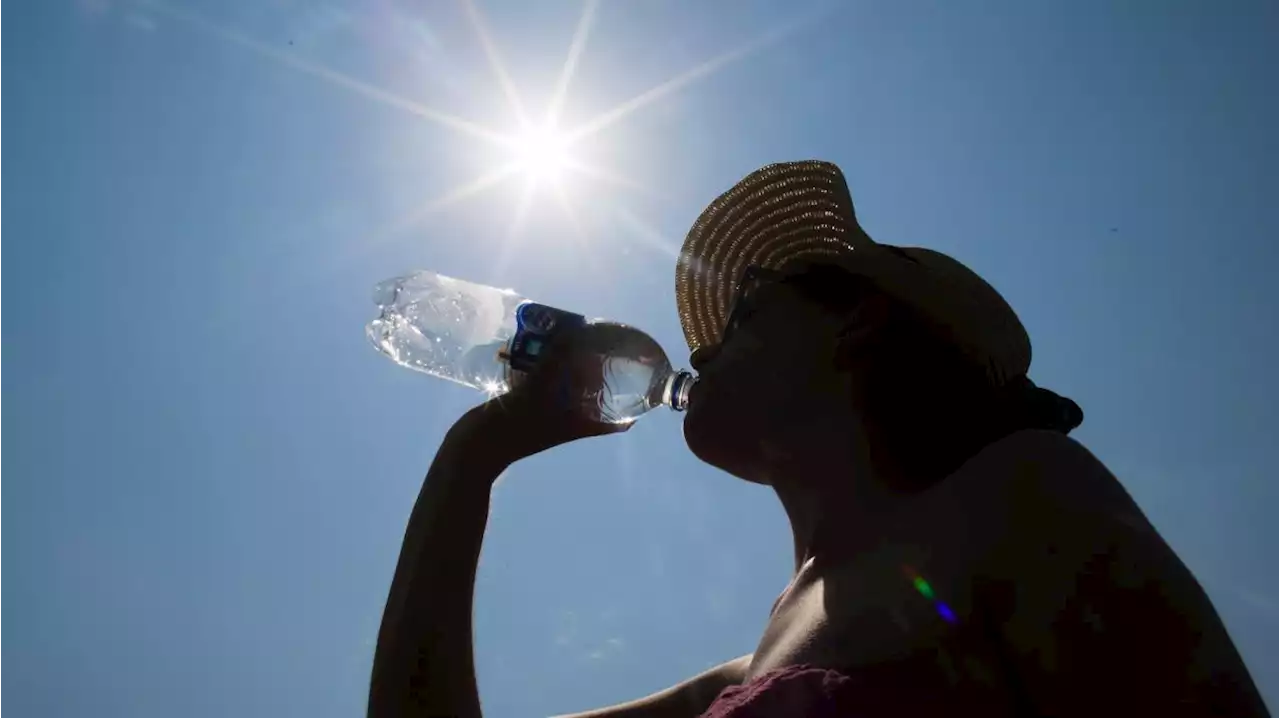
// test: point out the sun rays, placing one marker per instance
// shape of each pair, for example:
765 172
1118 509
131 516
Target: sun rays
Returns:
337 79
612 116
579 41
539 154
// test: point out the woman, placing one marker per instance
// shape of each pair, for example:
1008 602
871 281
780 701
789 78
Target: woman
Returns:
955 552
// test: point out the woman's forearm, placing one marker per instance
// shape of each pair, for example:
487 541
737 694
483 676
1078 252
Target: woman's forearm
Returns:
423 664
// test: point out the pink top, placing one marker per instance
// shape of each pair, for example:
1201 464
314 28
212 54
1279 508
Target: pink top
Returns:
793 691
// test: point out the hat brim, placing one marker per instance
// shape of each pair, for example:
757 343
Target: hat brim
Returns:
777 216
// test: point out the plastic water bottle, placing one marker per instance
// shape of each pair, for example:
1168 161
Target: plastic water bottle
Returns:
489 338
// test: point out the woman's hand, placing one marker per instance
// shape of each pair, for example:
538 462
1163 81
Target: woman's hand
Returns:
551 406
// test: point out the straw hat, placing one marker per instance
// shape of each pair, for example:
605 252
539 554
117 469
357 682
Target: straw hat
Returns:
796 213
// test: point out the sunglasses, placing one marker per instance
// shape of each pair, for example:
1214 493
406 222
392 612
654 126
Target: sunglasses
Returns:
748 284
827 286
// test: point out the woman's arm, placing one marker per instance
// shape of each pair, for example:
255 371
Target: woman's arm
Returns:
687 699
423 664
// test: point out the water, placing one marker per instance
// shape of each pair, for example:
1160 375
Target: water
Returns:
489 338
627 373
448 328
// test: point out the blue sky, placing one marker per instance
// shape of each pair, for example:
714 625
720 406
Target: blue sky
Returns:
210 469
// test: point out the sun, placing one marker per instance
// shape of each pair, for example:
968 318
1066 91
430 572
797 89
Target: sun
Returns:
540 150
542 153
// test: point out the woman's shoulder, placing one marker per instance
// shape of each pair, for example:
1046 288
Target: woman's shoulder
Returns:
1040 461
1038 446
1032 479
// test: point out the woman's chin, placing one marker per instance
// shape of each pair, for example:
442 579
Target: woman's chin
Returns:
717 443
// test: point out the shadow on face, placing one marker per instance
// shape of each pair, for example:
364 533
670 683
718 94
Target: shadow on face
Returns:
774 376
807 361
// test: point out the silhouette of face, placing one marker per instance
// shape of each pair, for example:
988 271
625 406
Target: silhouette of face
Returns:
787 363
824 354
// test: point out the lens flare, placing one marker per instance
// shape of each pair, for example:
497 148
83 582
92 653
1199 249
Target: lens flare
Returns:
924 589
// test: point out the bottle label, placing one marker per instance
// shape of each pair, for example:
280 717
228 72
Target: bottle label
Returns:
536 327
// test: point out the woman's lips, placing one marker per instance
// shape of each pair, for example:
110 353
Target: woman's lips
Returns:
695 390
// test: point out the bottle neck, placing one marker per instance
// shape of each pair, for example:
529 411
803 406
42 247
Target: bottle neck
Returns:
676 392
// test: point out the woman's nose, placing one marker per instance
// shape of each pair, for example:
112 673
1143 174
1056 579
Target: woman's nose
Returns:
702 356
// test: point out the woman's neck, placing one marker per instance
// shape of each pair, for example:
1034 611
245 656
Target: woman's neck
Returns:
836 499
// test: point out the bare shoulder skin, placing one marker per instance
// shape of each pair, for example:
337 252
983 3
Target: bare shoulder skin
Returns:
1028 581
1098 614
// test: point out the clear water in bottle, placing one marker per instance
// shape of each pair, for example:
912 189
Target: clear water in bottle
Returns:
629 374
449 328
489 338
